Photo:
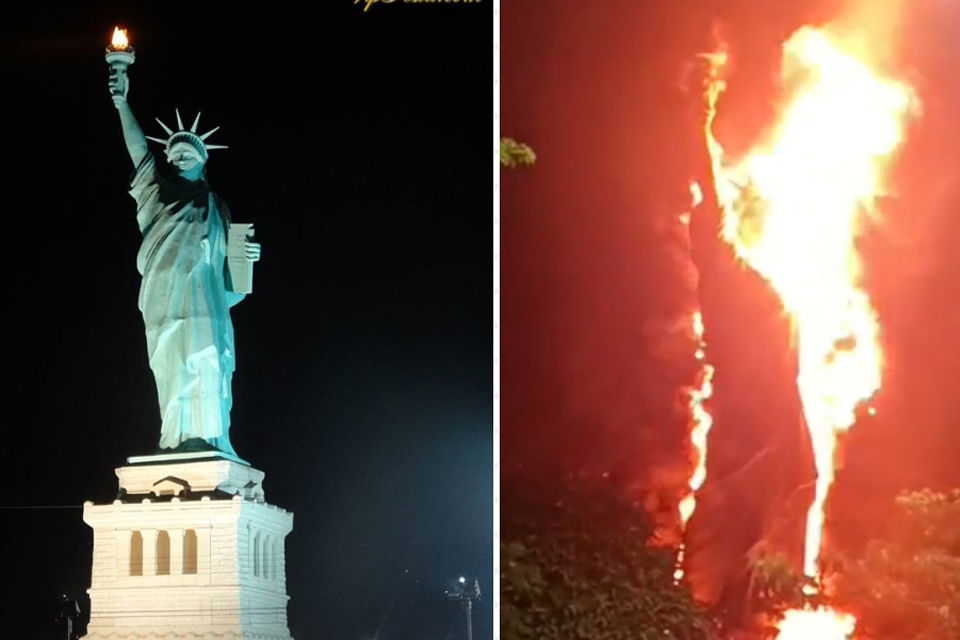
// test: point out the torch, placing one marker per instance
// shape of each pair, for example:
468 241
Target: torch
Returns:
120 55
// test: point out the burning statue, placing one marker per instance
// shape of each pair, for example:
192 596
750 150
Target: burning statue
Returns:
793 210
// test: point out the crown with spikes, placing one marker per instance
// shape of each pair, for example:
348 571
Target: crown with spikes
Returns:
191 136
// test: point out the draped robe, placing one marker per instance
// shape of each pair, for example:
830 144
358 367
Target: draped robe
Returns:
186 304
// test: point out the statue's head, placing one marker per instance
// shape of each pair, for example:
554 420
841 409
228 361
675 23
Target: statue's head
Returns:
185 155
186 150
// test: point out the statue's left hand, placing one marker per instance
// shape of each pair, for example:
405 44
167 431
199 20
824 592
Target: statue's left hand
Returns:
253 250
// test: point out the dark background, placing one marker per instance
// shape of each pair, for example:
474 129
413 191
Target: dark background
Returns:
596 90
359 146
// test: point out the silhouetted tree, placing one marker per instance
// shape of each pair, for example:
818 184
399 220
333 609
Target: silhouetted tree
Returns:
576 564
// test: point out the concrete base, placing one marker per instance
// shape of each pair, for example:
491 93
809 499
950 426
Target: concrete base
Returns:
185 457
190 474
190 550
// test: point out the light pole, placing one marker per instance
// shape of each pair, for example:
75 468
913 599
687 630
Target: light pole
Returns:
69 610
459 591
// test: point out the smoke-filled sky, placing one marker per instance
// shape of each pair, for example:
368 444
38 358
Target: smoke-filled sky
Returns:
359 147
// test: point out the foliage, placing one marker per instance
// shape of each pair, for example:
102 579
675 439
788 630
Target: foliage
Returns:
775 583
576 565
906 585
514 154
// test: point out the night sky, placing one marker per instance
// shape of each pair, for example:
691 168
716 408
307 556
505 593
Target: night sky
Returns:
359 147
596 91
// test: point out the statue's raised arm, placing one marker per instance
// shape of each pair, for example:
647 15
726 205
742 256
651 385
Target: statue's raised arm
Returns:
132 133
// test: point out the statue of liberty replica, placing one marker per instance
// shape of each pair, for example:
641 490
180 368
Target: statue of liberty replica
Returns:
189 547
186 293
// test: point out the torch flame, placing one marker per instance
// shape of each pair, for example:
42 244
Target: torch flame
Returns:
793 210
119 40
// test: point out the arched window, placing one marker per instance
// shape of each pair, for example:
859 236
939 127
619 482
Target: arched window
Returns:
250 547
136 553
189 552
256 554
277 564
268 566
163 553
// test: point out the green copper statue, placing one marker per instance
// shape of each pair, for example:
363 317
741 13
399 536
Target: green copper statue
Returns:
186 293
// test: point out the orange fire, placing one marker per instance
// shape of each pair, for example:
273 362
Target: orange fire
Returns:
816 624
119 40
700 418
794 207
701 421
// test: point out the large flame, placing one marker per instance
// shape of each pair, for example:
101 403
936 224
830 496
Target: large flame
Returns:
793 210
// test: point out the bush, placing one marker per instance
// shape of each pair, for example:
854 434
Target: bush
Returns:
576 565
905 585
514 154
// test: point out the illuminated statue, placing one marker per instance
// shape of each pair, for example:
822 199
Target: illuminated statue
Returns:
186 293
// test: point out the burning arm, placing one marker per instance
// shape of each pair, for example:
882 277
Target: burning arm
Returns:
132 134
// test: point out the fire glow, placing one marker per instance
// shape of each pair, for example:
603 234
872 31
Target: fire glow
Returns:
700 418
119 42
816 624
793 209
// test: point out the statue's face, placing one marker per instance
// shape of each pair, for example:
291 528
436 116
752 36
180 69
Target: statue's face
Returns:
185 157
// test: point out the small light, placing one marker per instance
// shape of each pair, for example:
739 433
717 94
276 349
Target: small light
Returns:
462 580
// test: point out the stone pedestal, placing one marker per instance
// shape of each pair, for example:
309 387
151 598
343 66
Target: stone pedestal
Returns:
189 550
